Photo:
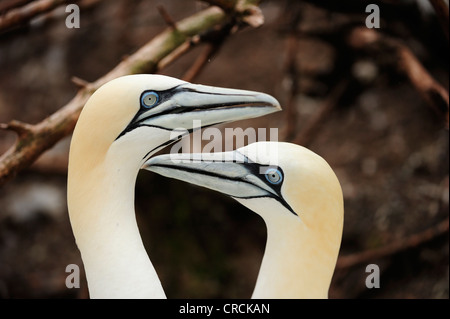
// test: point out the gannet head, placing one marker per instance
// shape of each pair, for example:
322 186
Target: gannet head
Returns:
296 193
132 117
293 177
282 182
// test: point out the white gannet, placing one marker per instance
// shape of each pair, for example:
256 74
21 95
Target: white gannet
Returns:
123 123
296 193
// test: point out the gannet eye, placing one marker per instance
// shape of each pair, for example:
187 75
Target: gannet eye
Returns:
274 176
149 99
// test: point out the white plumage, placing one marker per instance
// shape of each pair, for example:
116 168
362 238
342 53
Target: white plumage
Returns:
121 126
296 193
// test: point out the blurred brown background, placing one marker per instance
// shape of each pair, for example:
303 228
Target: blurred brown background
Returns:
350 101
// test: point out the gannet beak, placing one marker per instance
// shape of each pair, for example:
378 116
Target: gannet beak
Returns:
231 173
179 107
213 105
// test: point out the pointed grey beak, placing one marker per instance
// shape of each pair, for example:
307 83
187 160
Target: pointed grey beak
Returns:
216 171
230 173
180 106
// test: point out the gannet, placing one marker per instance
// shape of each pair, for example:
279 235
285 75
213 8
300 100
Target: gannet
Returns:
121 126
297 194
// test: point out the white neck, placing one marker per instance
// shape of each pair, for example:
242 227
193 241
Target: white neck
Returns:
299 260
293 265
101 209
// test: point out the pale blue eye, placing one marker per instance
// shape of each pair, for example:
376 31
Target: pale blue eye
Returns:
149 99
274 176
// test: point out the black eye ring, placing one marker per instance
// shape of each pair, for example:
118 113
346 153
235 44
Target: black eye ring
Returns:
274 176
149 99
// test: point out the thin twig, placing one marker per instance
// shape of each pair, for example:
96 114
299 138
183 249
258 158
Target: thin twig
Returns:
80 83
214 40
7 5
21 15
248 10
166 16
200 62
178 52
408 64
227 5
441 9
20 128
369 256
291 18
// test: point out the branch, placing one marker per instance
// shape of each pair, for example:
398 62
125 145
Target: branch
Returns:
226 5
24 14
200 62
18 14
441 9
414 240
407 63
246 10
290 19
33 140
215 39
21 129
7 5
166 16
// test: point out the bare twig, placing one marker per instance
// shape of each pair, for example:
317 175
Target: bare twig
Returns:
414 240
178 52
407 63
166 16
80 83
7 5
291 17
430 90
232 4
21 129
214 39
19 13
24 14
200 62
227 5
248 10
441 9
